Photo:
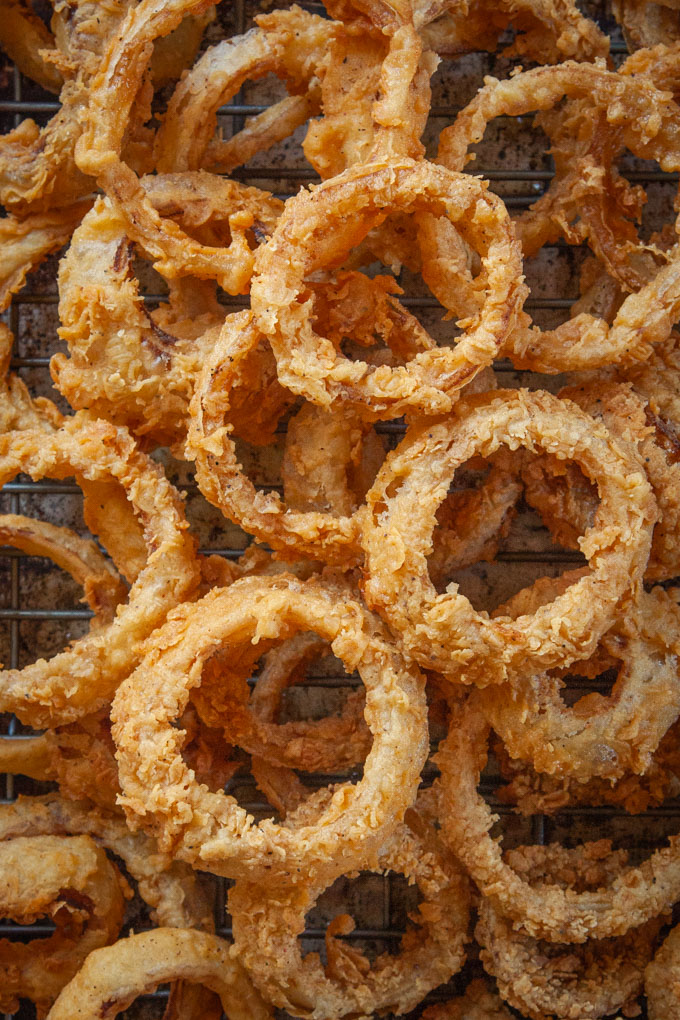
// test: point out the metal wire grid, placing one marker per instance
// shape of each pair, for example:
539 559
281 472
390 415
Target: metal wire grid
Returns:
16 611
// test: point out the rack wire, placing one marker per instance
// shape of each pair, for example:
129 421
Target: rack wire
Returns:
23 603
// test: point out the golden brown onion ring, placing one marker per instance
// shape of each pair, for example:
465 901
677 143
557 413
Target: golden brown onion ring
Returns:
171 889
541 979
71 881
111 980
444 632
568 503
266 929
84 676
137 368
597 735
632 897
587 200
211 829
79 557
37 166
547 31
325 534
98 152
319 228
291 43
532 793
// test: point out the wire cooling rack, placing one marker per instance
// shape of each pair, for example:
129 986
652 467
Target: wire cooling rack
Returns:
38 604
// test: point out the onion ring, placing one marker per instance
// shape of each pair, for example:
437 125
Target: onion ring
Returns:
83 678
211 828
444 632
349 985
633 897
37 167
25 242
72 880
597 735
110 980
542 979
295 533
137 369
568 509
98 151
637 116
304 243
171 889
291 43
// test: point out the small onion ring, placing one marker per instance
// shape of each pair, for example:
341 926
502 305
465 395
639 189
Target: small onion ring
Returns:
291 43
83 677
444 632
111 979
211 830
319 228
98 151
65 877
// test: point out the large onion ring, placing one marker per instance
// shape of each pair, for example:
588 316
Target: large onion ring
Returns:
210 829
543 911
444 632
319 228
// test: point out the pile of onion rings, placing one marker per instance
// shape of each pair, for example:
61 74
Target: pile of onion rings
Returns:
315 665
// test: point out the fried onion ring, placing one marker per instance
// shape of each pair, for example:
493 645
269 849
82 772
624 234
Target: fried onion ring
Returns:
111 980
541 979
304 242
210 829
444 632
291 43
84 676
138 369
72 881
597 735
632 897
349 985
98 151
